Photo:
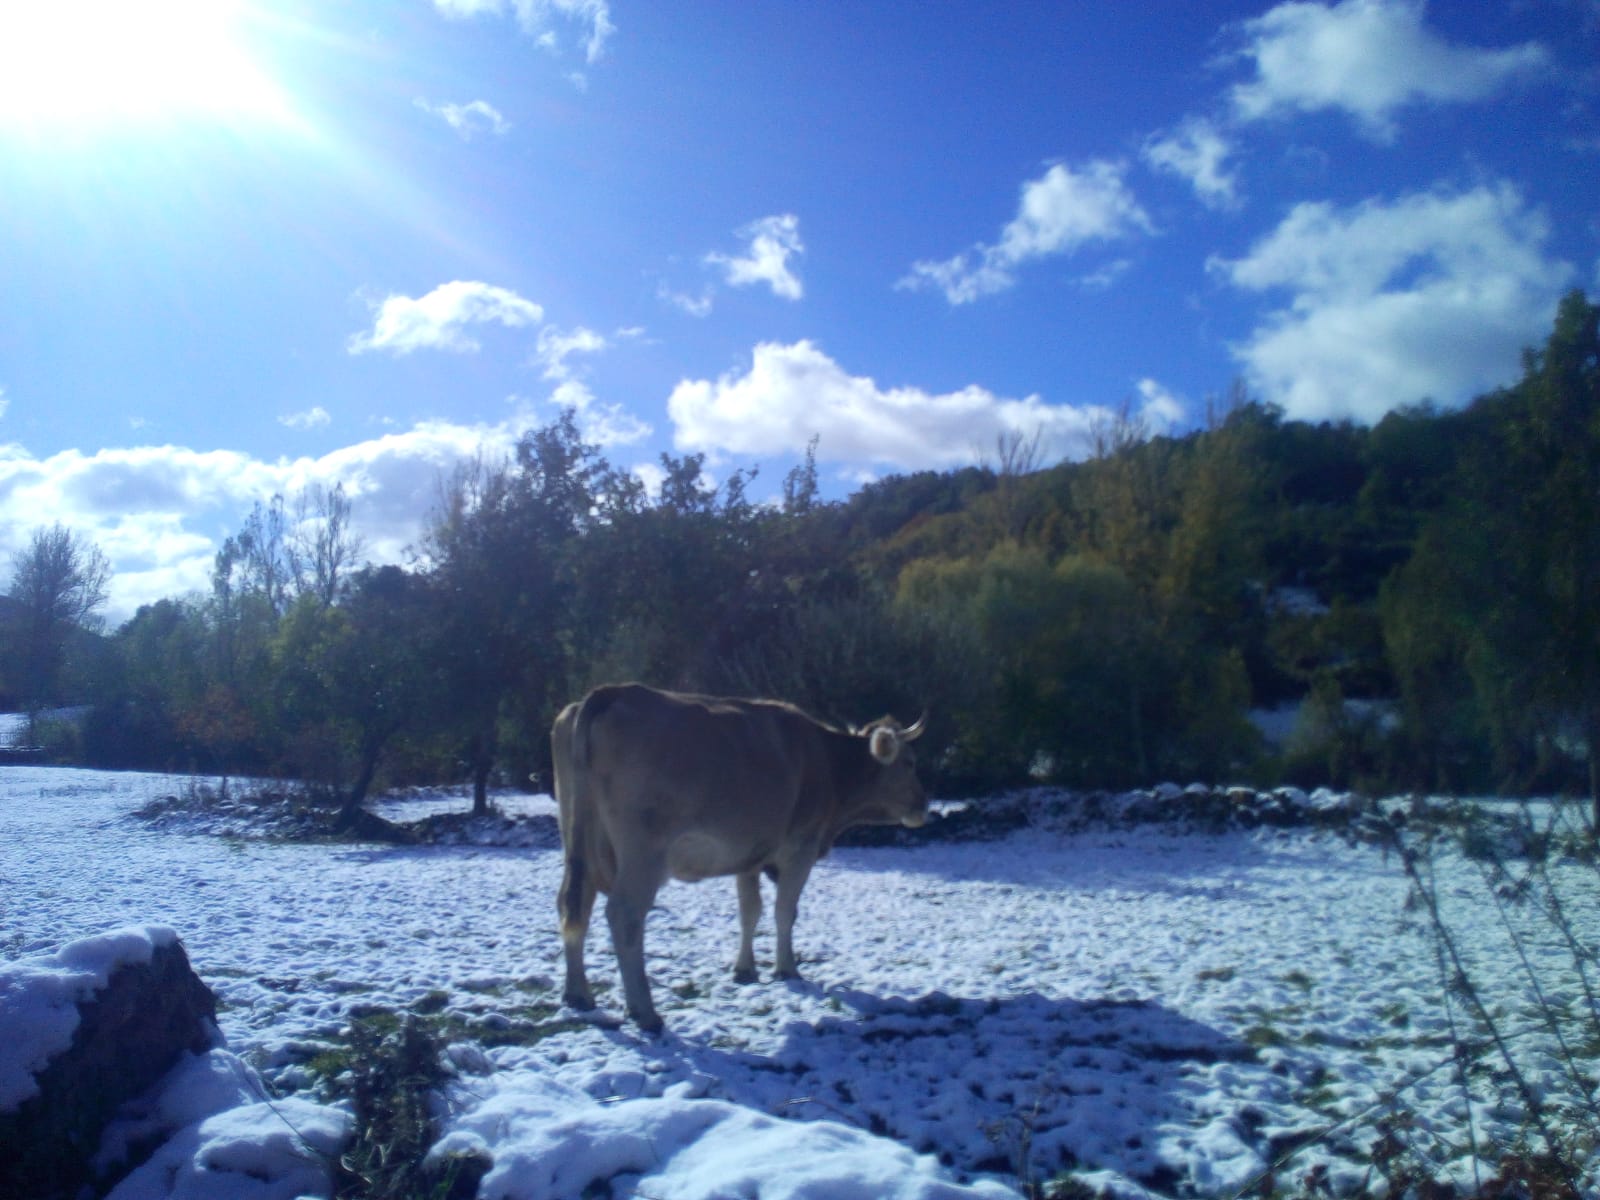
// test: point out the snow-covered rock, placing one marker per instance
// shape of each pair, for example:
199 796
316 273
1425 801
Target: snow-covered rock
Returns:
82 1031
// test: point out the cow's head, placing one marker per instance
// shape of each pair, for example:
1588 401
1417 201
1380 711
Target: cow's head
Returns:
897 793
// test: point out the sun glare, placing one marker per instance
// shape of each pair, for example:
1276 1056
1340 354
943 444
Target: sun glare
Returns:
83 63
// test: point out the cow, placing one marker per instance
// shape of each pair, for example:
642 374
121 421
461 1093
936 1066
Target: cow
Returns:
655 785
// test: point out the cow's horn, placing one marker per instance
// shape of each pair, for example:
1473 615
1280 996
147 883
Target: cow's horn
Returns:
917 729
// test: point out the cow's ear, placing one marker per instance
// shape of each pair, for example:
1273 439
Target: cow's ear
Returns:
884 744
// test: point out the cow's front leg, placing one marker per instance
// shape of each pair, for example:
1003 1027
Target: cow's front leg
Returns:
744 967
626 910
791 880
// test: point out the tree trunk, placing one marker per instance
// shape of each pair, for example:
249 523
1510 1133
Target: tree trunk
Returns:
480 785
484 746
1594 769
351 812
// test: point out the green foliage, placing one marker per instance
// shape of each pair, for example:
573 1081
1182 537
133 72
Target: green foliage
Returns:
395 1067
1507 571
1069 667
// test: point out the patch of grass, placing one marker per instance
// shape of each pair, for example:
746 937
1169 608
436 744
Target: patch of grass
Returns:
433 1002
1396 1014
519 1025
391 1079
386 1063
1215 974
1261 1037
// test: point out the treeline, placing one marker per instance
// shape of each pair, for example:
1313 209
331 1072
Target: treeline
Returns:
1427 591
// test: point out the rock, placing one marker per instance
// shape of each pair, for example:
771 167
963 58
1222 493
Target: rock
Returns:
82 1031
1292 797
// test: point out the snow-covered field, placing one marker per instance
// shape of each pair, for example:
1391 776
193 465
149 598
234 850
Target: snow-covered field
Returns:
1151 1010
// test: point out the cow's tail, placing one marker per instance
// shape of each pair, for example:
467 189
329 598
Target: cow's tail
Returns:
573 756
574 813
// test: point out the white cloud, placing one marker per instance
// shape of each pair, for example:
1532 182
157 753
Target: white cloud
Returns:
652 475
312 418
159 512
438 320
603 424
1368 58
470 119
695 306
1159 407
1102 278
772 241
1198 152
792 392
1430 296
555 348
1059 212
540 19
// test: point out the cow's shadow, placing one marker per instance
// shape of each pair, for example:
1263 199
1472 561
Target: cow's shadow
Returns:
1024 1085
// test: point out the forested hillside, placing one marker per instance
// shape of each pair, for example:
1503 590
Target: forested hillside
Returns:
1427 590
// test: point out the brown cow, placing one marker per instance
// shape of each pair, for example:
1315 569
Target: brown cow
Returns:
659 785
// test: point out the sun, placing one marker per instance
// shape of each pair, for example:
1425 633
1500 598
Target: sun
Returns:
76 64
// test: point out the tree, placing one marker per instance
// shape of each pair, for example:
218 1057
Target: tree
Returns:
800 490
1539 495
1124 499
358 674
1073 677
256 559
1428 635
1017 456
321 547
694 580
501 543
283 553
1510 564
57 584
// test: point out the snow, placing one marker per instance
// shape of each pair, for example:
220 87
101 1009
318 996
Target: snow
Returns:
552 1140
262 1151
1151 1009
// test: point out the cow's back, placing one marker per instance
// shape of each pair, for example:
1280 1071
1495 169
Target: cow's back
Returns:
671 768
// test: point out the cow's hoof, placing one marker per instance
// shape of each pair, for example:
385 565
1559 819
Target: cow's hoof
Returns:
578 1000
790 976
746 976
650 1023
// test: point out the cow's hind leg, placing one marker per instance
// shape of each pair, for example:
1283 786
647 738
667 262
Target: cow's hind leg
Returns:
744 967
576 903
791 881
626 908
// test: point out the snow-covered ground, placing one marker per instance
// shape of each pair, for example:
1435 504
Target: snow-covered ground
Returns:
1149 1009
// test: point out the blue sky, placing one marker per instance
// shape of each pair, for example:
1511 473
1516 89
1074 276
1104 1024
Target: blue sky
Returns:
248 247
